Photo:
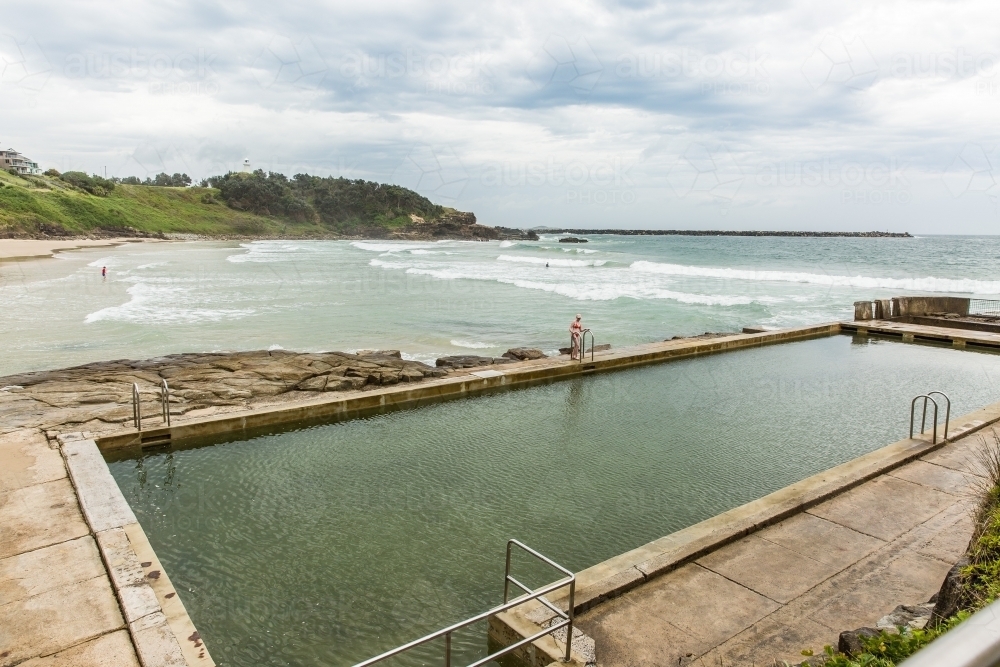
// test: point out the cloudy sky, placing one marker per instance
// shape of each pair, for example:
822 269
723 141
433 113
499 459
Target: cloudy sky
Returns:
702 115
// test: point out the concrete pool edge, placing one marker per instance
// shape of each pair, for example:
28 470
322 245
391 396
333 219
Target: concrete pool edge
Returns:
162 633
359 404
625 572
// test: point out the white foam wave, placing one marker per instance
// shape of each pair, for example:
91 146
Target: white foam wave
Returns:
620 283
552 262
266 251
471 344
391 247
928 284
507 244
158 304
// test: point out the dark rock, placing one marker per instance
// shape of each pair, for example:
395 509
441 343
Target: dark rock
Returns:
597 348
850 640
470 361
950 593
380 353
523 353
463 361
911 616
317 383
572 239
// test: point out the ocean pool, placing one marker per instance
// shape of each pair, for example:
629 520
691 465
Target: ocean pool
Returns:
329 544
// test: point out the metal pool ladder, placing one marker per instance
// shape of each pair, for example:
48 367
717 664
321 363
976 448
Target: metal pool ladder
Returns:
137 404
165 401
566 617
923 419
583 344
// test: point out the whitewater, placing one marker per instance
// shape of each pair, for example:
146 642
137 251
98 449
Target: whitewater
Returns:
429 299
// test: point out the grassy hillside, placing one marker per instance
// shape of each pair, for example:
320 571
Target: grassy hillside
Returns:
45 206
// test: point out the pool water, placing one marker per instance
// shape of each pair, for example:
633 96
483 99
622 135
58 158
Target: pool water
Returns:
330 544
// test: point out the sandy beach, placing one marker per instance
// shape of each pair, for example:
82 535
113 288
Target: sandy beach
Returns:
19 249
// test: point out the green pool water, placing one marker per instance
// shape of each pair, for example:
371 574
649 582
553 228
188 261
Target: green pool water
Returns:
330 544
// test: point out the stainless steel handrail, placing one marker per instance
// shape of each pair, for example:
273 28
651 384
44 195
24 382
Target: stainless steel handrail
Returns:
583 344
567 616
136 408
923 421
975 642
947 410
165 401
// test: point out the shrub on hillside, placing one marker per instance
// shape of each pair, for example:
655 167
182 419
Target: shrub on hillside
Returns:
95 185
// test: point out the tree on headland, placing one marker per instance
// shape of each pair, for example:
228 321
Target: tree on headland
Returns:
335 202
163 180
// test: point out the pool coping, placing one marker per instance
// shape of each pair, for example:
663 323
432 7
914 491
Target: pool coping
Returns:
617 575
161 630
353 405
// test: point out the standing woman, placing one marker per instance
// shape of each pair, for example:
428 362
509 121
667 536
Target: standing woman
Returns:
575 329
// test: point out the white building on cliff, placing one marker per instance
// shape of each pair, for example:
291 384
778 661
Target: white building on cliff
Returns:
11 159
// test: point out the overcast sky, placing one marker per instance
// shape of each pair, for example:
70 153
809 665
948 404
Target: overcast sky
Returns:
703 115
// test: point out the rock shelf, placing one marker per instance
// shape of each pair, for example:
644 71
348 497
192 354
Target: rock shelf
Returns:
101 393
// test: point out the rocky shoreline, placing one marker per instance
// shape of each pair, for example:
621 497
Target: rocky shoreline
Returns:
98 396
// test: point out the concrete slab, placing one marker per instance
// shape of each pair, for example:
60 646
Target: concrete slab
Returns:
821 540
57 619
955 482
102 501
35 572
155 643
960 457
37 516
629 637
768 568
884 508
701 603
111 650
875 586
778 639
26 459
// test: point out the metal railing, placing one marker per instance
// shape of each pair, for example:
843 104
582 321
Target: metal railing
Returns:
165 401
136 408
984 307
975 642
583 344
565 616
923 419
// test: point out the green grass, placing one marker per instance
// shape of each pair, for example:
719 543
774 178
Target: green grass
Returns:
42 205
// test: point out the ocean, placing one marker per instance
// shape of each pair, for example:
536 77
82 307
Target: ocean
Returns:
430 299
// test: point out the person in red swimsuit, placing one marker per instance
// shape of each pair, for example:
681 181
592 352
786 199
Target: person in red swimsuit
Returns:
575 329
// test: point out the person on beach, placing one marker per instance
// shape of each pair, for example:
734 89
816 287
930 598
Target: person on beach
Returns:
104 272
575 329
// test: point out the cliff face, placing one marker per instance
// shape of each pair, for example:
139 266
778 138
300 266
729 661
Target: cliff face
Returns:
458 225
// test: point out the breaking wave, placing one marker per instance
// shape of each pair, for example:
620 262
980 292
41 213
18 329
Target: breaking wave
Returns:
928 284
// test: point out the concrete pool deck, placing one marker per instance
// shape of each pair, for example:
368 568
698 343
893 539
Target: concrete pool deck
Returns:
80 585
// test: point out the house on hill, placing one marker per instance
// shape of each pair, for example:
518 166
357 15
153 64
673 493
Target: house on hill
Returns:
11 159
